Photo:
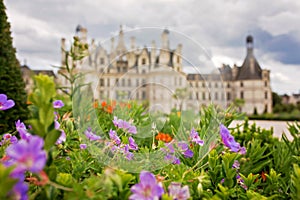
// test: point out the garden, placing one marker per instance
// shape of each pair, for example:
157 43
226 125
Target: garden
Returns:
76 148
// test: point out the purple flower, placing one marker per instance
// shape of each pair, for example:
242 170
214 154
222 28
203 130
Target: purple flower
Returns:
114 137
62 138
243 150
21 128
28 155
172 158
170 153
170 148
19 191
222 181
132 130
236 164
116 121
82 146
119 123
125 150
8 138
147 188
4 103
188 153
58 104
195 137
177 192
90 135
184 148
56 124
228 140
123 124
132 144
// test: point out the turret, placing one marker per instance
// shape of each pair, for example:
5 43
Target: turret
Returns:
249 44
165 39
121 49
153 53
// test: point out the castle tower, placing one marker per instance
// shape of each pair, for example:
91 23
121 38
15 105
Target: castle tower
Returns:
121 48
165 39
164 56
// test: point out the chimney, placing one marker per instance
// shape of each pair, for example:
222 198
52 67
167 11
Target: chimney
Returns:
132 43
165 39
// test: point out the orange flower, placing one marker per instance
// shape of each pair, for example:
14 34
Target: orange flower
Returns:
128 106
109 109
95 104
263 176
178 114
163 137
103 104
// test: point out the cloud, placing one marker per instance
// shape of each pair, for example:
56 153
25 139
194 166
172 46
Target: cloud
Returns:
216 29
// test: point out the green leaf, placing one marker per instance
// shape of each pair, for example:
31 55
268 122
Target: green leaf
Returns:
51 138
37 127
6 182
65 179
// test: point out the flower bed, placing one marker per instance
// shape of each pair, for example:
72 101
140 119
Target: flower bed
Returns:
84 149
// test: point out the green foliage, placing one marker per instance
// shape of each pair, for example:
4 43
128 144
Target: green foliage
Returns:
265 172
42 120
11 81
296 183
6 183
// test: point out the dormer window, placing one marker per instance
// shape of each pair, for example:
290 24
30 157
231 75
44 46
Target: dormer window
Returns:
143 61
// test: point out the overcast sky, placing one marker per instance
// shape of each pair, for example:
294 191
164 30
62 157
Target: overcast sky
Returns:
218 26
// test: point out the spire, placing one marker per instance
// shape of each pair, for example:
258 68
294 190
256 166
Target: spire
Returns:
121 45
250 68
249 44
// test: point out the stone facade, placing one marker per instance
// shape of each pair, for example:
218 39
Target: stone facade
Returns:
156 75
291 99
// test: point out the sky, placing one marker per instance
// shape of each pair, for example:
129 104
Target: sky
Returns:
212 30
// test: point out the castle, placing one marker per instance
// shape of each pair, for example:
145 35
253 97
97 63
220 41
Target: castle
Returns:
156 75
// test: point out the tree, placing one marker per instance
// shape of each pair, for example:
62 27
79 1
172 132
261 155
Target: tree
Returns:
277 100
11 81
180 94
